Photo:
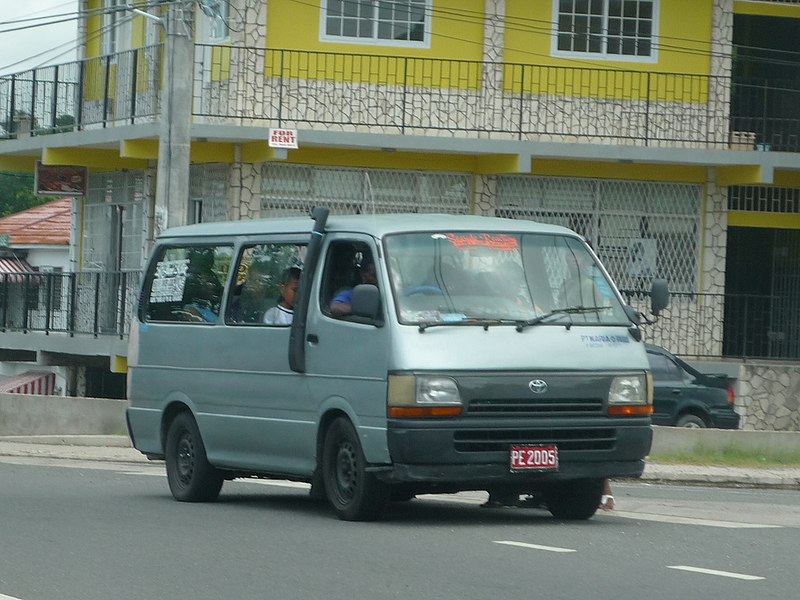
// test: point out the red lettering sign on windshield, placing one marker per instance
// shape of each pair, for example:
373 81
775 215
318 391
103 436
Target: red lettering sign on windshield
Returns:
502 242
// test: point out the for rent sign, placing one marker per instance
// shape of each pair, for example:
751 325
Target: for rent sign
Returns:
283 138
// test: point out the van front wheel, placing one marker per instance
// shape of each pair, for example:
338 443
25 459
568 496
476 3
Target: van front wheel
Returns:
190 476
355 494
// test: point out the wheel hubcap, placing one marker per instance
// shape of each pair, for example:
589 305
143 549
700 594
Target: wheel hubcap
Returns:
185 458
346 471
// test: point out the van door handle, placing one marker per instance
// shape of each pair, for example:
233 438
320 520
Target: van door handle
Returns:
312 338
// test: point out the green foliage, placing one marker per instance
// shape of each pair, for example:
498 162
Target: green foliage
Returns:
16 193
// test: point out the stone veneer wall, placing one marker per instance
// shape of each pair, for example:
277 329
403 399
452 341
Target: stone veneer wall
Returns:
768 396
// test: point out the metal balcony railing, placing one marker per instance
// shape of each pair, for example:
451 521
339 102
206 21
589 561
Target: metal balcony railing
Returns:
72 303
698 325
394 94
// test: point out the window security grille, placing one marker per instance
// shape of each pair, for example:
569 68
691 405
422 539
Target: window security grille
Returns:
296 189
208 193
764 199
617 218
114 222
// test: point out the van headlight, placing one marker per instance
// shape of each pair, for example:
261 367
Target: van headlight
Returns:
414 396
630 396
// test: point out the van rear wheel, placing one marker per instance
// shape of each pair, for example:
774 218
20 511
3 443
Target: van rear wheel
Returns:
354 493
190 476
574 500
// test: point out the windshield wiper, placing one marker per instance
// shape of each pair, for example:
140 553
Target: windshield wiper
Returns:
485 323
560 312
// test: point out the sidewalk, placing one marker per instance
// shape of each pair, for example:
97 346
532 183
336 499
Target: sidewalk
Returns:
118 449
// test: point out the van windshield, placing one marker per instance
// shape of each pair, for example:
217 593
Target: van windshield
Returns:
497 278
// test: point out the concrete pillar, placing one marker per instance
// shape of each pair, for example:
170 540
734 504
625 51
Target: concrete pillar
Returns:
172 188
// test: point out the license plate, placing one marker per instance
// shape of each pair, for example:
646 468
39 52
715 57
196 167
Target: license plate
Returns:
534 458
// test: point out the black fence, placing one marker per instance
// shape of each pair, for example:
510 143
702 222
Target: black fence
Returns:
69 303
395 94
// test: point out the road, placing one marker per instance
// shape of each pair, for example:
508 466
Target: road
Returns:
92 531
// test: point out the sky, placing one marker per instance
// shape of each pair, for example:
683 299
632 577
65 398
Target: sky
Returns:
19 49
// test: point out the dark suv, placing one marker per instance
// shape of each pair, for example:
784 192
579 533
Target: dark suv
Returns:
684 397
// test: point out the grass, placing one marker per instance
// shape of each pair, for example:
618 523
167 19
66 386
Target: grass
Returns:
731 456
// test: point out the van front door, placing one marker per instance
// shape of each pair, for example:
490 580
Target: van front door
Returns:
346 356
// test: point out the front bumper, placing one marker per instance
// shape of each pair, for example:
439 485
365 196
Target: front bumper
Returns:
475 455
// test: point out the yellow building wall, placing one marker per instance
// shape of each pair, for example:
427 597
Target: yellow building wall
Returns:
456 31
679 74
295 49
94 28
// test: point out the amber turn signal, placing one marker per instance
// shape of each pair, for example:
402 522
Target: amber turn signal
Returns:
638 410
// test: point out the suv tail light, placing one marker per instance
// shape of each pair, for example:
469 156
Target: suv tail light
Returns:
731 395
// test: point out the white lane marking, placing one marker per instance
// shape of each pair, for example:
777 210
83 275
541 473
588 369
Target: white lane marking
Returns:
4 597
535 546
715 572
691 521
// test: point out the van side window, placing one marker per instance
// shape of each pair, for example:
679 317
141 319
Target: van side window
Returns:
186 284
347 265
267 279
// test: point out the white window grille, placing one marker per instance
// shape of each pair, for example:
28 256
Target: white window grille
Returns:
208 193
770 199
618 218
617 29
383 22
297 189
114 222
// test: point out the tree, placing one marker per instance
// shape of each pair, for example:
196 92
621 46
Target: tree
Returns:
16 193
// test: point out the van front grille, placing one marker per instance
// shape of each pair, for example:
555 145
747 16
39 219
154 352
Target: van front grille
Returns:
490 440
526 407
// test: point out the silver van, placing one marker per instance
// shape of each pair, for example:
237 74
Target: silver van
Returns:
380 357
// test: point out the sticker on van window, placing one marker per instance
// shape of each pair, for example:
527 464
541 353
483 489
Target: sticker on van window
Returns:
469 241
169 281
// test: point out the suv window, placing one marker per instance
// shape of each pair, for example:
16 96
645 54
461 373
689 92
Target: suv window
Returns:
663 368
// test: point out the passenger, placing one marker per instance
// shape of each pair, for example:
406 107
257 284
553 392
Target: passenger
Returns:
205 292
341 305
283 313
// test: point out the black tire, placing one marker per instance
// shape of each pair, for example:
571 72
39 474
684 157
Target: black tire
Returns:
690 422
574 500
355 494
191 477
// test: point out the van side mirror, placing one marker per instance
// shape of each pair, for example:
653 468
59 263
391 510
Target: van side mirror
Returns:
366 302
659 296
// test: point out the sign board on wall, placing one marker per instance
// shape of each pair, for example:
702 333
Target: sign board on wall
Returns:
60 180
283 138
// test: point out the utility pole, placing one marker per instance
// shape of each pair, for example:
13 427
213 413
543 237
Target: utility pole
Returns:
174 144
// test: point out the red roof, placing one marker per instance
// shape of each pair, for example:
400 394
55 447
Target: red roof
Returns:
46 224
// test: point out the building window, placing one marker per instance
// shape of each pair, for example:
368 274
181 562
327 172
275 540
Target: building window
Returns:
618 29
215 24
385 22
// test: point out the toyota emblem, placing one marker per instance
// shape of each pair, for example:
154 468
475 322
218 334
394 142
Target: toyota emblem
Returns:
538 386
